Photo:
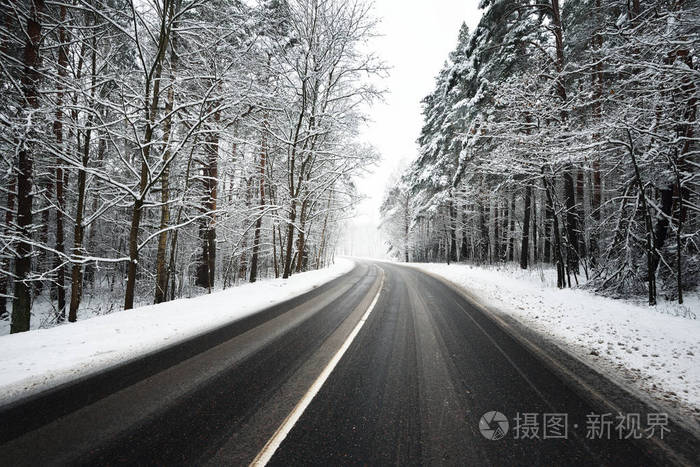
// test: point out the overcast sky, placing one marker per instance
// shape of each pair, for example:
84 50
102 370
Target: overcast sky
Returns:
417 36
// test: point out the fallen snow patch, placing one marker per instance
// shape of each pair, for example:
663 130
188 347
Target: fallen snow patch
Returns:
36 360
661 349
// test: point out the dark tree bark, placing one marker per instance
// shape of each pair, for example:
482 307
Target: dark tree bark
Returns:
535 244
548 222
596 198
559 257
322 249
580 217
301 239
258 221
662 226
42 258
151 103
572 224
496 234
290 240
210 178
511 229
679 249
5 281
91 266
406 225
651 252
464 247
79 228
78 231
504 231
243 260
30 89
484 230
453 231
274 254
525 245
161 269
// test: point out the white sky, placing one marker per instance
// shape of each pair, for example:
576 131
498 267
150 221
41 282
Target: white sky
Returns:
417 36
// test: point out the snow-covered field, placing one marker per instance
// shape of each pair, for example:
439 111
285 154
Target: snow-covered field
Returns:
659 346
42 358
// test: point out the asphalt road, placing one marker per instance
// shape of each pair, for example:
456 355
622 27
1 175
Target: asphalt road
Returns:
411 389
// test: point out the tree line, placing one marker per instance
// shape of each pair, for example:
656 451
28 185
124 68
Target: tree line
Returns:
157 149
567 135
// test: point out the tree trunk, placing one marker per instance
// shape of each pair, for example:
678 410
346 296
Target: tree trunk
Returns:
243 261
207 265
42 258
30 88
453 230
650 241
91 266
322 249
290 239
281 257
78 231
559 258
548 229
580 215
511 229
406 225
504 230
133 248
5 280
151 101
274 253
679 250
595 209
525 245
597 84
79 228
301 239
569 188
535 236
484 230
258 221
161 269
662 225
496 234
571 221
464 248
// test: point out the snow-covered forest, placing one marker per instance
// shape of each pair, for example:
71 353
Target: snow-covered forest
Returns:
158 149
563 133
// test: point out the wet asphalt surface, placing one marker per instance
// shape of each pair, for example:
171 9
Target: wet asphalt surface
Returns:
410 390
415 383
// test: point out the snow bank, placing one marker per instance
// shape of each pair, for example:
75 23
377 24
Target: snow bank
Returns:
42 358
660 349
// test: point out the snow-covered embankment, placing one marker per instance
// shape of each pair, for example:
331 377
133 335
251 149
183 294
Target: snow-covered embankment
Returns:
36 360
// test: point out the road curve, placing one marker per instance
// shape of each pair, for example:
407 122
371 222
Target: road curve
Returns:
411 388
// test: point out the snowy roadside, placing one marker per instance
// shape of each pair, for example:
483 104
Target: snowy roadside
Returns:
661 350
39 359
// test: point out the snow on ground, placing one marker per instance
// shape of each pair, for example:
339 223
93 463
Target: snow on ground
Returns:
42 358
658 346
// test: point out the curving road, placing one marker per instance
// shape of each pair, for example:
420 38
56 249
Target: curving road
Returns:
424 367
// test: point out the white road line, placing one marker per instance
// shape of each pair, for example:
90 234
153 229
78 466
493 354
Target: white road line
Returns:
268 451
